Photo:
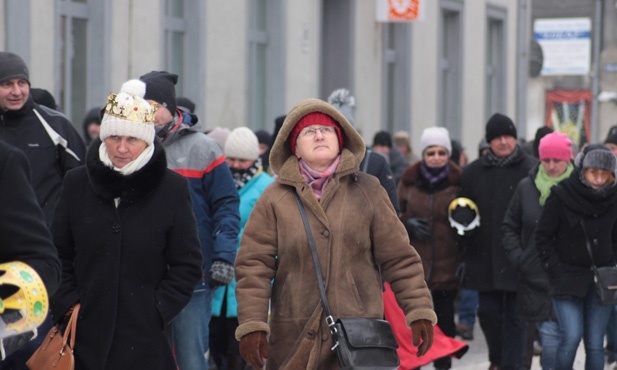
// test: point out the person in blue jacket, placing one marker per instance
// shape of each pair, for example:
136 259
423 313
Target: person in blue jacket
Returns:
242 153
215 204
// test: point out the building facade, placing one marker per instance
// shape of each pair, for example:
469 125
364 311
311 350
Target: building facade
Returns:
245 62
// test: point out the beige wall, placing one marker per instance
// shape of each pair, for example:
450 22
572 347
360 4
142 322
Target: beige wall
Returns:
42 46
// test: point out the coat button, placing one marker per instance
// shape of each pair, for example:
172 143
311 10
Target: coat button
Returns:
324 337
115 228
326 234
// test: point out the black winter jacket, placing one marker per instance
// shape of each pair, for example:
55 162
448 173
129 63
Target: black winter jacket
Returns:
23 234
132 267
486 264
519 224
375 164
560 237
49 161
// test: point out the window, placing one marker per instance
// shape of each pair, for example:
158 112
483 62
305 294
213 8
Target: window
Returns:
449 89
73 63
175 39
266 69
396 77
336 42
495 62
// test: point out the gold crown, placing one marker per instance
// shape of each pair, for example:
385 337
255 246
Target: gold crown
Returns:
29 298
130 107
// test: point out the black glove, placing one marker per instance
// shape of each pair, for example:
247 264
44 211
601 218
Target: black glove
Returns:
221 273
419 228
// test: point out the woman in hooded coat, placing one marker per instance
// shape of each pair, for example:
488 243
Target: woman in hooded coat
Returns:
356 231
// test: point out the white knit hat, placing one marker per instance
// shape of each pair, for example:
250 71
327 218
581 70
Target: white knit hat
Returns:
128 115
435 136
242 143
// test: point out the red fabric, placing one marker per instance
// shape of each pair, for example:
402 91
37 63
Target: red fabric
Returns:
558 96
315 118
442 344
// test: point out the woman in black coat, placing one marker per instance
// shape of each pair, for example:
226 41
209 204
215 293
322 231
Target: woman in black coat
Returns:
580 210
533 303
127 240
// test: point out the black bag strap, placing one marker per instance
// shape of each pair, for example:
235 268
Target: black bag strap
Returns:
320 282
593 265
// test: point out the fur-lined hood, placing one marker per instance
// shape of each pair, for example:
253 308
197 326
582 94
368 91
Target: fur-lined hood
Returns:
285 164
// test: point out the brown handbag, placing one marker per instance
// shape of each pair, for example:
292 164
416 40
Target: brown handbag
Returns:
56 351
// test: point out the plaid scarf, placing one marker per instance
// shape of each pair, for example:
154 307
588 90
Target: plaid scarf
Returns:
434 174
242 177
318 180
502 161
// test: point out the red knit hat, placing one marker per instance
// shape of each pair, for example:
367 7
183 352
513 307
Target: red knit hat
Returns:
555 146
315 118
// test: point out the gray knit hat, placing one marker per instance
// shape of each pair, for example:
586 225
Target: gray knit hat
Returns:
596 156
12 66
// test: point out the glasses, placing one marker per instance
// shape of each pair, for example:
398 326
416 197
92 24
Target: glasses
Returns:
441 153
310 132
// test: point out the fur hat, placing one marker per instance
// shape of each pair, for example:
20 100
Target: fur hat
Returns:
242 143
161 87
12 67
128 115
342 100
596 156
555 146
314 118
435 136
499 125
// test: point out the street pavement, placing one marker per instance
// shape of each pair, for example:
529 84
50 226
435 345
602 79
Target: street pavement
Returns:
477 356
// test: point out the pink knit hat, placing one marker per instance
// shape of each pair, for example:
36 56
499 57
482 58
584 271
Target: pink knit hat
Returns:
555 146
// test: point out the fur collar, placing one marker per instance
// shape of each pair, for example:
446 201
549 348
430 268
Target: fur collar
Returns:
110 184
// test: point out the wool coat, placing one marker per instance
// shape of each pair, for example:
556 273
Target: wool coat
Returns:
132 267
518 229
356 231
487 267
441 254
573 213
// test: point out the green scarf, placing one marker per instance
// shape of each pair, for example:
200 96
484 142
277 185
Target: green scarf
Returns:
544 182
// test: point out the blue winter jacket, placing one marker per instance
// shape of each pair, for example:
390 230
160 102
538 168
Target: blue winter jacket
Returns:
214 196
249 194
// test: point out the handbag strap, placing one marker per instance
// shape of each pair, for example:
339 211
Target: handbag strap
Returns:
320 282
71 328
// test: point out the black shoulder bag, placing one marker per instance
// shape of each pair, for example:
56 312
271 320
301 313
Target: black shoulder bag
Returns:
605 278
359 342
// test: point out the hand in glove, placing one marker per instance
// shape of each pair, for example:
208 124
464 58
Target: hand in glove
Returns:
221 273
422 329
419 228
254 349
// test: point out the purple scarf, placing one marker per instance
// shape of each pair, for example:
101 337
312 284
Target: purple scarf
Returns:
434 174
318 180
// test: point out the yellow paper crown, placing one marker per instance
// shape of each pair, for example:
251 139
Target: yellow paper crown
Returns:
130 107
29 299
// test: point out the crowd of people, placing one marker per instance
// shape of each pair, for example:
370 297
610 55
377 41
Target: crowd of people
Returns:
177 242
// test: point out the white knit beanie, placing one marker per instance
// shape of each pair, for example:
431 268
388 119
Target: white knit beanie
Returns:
435 136
242 143
128 115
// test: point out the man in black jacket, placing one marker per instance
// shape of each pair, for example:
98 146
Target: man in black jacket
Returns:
490 182
50 142
23 238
